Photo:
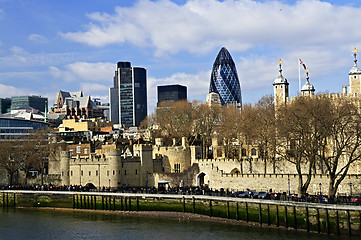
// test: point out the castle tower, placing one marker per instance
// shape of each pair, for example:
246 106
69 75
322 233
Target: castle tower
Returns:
114 166
145 152
355 77
280 88
64 167
307 90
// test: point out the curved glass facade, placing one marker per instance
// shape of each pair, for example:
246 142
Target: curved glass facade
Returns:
224 79
11 128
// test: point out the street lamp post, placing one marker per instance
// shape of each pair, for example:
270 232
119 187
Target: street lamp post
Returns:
289 187
109 184
320 193
183 186
146 186
350 188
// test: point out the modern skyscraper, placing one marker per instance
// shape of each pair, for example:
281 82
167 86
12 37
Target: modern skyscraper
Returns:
5 105
36 102
128 97
172 93
224 79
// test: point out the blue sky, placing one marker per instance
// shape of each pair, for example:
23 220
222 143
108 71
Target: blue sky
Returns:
50 45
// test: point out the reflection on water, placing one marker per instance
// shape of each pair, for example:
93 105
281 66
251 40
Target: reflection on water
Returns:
44 224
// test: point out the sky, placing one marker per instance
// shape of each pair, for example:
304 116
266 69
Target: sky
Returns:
52 45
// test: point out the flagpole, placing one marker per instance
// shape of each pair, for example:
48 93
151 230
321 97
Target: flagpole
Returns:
299 76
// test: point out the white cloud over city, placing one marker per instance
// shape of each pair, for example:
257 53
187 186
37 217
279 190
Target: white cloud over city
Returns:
199 26
9 91
98 71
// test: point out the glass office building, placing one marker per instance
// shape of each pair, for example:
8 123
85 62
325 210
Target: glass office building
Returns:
36 102
128 97
5 105
224 79
14 128
171 93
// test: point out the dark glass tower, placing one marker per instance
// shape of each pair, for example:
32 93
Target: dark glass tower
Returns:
224 79
172 93
5 105
128 97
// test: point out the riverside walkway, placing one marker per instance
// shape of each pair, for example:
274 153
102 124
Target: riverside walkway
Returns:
314 217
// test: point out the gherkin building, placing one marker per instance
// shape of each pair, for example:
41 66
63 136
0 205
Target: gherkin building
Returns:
224 79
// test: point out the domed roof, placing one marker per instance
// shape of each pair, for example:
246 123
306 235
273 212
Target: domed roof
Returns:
280 79
355 70
308 87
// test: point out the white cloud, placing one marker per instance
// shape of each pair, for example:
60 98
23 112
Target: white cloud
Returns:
89 88
20 55
37 38
83 70
10 91
199 26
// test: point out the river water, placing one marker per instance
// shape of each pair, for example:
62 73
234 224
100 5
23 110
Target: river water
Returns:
45 224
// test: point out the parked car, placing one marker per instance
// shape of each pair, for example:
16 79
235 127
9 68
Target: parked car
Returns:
355 200
245 194
275 196
262 195
236 194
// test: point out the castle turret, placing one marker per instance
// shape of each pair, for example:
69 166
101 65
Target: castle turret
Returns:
114 167
64 167
280 88
145 152
307 89
355 77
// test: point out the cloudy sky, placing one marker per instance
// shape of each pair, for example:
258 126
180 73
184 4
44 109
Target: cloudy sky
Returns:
71 45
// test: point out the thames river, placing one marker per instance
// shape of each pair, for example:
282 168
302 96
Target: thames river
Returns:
46 224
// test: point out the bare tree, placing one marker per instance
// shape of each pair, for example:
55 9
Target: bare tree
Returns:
10 158
176 119
228 130
205 123
300 134
341 147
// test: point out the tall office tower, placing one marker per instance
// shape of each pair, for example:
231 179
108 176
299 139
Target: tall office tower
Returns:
128 97
171 93
5 105
37 102
224 79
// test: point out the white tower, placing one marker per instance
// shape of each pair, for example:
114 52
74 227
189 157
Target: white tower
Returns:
280 88
307 89
355 77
